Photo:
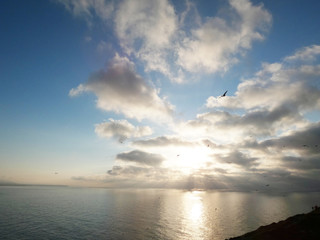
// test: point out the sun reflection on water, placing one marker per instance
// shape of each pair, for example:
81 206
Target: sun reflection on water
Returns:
194 214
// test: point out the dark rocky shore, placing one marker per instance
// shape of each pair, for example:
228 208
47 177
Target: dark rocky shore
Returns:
299 227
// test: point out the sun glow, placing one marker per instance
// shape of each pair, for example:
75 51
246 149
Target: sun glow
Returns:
188 160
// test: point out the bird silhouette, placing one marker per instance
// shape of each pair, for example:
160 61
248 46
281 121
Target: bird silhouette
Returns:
223 95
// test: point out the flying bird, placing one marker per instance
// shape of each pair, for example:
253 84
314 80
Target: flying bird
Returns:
122 139
223 95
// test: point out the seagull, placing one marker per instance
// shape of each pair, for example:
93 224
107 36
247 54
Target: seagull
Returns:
122 139
223 95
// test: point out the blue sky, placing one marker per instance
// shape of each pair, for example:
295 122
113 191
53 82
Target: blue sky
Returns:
126 94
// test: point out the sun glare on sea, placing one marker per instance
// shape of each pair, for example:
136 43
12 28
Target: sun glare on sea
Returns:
194 218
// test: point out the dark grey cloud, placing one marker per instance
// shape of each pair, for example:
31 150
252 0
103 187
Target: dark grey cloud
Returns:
237 158
141 157
129 170
303 163
262 122
272 180
304 140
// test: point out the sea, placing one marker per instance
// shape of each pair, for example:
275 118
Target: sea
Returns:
43 212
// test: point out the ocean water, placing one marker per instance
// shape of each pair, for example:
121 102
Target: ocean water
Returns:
97 213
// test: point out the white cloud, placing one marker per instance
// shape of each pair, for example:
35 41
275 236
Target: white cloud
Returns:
120 89
151 22
178 43
88 8
77 91
104 47
274 87
214 46
121 129
274 102
305 54
145 29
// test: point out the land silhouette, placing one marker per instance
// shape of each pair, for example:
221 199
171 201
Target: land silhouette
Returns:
299 227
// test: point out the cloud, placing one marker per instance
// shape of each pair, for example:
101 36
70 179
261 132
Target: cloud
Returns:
239 145
142 158
305 54
121 129
88 8
151 22
302 163
129 171
222 126
274 85
178 43
305 140
163 141
258 136
265 103
104 47
216 44
145 29
120 89
238 158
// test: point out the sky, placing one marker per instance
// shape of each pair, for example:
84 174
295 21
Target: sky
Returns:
128 94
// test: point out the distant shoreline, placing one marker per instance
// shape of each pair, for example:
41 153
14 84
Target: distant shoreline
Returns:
13 184
29 185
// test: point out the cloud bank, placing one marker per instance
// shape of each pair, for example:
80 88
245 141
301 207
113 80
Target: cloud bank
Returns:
259 139
262 137
163 39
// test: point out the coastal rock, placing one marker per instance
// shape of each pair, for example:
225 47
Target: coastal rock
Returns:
298 227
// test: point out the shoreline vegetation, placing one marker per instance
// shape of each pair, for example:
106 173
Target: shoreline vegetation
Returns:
298 227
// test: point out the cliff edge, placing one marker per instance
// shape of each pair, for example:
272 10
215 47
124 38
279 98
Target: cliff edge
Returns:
299 227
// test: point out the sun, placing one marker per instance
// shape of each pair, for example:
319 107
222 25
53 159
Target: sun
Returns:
188 159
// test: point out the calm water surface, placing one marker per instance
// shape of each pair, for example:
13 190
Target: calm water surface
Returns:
91 213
